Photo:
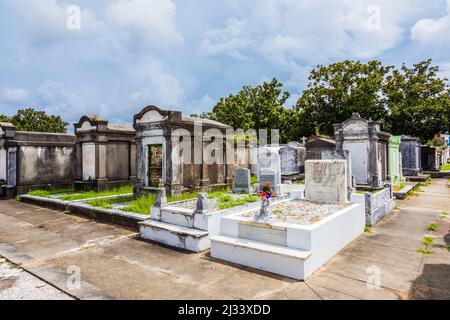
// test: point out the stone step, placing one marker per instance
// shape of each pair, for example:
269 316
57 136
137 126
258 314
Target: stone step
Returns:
277 259
174 235
177 216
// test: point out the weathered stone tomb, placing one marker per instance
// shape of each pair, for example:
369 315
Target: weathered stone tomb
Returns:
106 154
180 153
368 146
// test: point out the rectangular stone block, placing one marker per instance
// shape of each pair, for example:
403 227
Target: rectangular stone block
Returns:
326 181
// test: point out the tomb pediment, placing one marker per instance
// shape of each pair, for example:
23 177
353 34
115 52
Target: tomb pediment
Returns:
86 126
151 114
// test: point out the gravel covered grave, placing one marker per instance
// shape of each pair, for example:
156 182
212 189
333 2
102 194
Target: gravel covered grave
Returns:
301 212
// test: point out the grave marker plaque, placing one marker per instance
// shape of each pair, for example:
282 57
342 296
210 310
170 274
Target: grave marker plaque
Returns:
155 164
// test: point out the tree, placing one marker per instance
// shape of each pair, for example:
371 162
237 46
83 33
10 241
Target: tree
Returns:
334 92
418 101
38 121
4 118
259 107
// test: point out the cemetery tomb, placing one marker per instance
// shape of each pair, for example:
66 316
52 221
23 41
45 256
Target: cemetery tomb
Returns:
411 155
316 144
429 158
394 152
299 236
35 160
292 162
171 150
107 154
368 146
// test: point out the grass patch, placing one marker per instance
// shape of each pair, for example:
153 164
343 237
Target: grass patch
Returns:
398 187
183 197
432 227
276 211
219 193
425 251
49 193
428 241
368 229
92 194
40 193
445 167
109 203
228 201
448 248
425 184
141 205
444 214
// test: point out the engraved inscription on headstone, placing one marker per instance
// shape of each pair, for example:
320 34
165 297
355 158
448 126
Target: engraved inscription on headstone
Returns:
242 180
155 164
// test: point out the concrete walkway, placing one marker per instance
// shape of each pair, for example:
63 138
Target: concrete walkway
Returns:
113 263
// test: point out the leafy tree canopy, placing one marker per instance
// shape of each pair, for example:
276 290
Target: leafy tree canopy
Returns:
259 107
334 92
418 101
38 121
413 101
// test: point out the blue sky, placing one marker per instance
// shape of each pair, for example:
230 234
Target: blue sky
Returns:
186 54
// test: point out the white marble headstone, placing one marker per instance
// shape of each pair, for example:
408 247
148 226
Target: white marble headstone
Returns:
326 181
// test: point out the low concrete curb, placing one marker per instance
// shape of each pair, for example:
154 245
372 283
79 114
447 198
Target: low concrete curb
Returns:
401 194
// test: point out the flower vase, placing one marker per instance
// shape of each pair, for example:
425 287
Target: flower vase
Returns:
265 203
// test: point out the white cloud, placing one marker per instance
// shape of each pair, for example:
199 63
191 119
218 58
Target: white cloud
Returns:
228 41
284 31
161 89
60 99
151 20
15 95
45 21
433 31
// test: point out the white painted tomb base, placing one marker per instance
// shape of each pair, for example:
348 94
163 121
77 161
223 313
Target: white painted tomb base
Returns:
287 249
377 205
184 228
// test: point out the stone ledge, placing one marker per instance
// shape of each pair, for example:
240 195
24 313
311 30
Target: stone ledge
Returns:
261 246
